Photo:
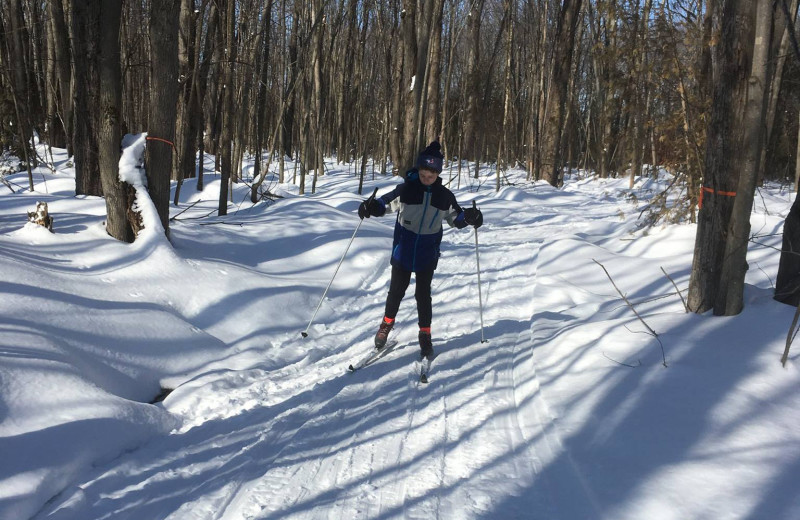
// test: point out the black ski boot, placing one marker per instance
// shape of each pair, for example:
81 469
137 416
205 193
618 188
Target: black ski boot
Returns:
383 334
425 345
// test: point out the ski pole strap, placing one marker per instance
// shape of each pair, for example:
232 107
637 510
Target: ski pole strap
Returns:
704 189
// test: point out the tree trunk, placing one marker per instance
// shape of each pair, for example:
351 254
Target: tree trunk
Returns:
163 103
432 112
262 68
85 41
781 34
552 150
412 84
396 95
797 162
60 38
288 127
730 297
733 56
226 136
109 135
184 135
640 88
446 125
55 130
503 150
471 140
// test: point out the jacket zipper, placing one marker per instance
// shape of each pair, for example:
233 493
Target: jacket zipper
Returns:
419 231
436 214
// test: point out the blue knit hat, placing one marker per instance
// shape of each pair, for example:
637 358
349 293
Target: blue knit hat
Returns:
431 158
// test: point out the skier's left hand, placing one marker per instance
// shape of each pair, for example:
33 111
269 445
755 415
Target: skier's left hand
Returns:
473 217
371 207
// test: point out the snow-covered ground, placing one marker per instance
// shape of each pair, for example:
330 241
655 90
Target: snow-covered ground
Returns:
565 412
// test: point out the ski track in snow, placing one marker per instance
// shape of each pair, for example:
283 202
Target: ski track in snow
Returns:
313 441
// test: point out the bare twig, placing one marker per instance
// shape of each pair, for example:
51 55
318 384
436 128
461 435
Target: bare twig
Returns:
782 251
764 202
625 299
240 224
195 218
190 206
621 363
8 185
765 274
685 307
790 336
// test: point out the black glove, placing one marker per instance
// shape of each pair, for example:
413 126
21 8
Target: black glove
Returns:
371 207
473 217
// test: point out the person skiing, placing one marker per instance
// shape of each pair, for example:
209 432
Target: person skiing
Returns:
422 203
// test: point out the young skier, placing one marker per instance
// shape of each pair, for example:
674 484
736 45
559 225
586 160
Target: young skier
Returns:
422 203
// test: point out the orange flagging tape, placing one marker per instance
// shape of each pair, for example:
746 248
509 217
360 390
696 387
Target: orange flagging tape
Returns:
148 138
704 189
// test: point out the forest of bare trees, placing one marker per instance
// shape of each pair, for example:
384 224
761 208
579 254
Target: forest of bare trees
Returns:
708 90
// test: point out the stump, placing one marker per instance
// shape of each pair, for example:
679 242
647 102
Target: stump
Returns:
41 216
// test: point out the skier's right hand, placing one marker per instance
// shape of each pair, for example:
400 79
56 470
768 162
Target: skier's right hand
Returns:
473 217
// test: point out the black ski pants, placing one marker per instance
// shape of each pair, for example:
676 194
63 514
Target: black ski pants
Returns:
397 289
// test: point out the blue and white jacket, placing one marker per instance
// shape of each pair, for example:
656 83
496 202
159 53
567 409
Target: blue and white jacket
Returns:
418 230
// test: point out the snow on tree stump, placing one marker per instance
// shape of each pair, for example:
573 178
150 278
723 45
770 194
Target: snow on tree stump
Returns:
41 216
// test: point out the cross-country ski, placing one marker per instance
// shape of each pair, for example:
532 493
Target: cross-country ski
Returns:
372 356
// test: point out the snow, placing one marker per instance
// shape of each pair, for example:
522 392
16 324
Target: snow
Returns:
566 412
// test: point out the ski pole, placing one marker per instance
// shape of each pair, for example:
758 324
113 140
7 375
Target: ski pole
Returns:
361 221
478 260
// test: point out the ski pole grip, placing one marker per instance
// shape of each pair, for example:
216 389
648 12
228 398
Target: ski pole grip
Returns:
372 197
474 206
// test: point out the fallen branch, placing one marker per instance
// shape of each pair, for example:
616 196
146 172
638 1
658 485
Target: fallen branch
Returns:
190 206
240 224
790 336
8 185
625 299
685 307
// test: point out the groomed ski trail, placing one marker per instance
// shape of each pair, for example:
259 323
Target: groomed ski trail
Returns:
313 441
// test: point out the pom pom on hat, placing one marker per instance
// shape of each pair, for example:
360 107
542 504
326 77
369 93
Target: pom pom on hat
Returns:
431 158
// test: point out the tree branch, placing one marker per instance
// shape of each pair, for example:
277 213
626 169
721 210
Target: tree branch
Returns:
652 332
685 307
